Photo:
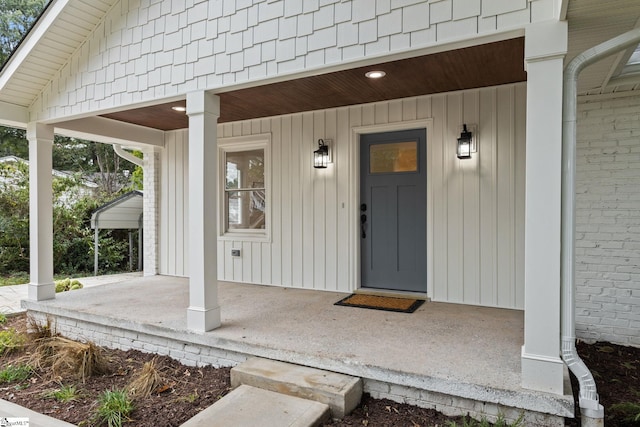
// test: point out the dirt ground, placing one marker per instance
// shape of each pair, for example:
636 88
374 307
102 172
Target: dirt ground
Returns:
188 390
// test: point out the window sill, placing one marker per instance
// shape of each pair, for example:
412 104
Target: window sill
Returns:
262 237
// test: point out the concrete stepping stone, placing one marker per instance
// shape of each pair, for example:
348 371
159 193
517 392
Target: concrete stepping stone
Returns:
341 392
249 406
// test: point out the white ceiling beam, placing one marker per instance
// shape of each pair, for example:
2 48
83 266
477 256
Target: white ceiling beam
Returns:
109 131
625 79
12 115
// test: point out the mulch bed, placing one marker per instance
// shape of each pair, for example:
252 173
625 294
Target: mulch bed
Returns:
189 390
616 370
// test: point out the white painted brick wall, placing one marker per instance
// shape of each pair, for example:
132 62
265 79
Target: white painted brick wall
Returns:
122 339
150 210
142 52
456 406
608 221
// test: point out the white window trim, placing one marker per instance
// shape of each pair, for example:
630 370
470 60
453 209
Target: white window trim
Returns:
244 143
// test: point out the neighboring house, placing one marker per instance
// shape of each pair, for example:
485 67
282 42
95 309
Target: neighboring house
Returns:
397 208
84 187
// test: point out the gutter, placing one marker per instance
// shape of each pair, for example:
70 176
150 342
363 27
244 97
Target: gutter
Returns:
592 412
117 148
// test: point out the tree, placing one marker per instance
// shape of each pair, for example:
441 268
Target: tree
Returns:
14 217
72 235
13 142
73 239
94 161
16 18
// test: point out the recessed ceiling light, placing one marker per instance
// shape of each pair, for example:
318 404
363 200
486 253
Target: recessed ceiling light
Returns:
375 74
179 108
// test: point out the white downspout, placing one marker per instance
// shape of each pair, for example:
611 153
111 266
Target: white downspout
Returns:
117 148
592 411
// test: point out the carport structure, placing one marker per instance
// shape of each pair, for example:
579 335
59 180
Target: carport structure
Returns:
122 213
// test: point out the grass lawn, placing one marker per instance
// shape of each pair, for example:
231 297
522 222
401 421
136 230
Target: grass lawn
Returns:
21 278
14 279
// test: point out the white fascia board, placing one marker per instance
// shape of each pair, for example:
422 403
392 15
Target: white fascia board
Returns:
109 131
12 115
31 40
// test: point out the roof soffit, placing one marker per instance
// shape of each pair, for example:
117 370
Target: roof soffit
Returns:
48 46
592 22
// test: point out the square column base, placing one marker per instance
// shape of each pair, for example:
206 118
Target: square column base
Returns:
203 320
542 373
41 291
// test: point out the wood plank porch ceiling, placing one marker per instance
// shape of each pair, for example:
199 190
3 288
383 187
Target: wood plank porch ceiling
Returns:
473 67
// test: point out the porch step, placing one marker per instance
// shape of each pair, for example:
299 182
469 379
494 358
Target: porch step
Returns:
341 392
250 406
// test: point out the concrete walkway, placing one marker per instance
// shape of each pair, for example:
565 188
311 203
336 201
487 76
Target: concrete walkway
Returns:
11 410
10 296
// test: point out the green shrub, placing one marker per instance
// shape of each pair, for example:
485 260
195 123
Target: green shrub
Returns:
10 340
67 284
629 412
12 373
114 407
64 394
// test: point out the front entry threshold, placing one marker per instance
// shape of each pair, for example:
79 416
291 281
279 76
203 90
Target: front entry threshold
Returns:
392 293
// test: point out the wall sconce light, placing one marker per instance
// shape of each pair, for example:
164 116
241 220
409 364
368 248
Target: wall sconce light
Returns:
322 156
465 144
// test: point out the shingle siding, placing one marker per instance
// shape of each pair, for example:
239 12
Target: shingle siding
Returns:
145 50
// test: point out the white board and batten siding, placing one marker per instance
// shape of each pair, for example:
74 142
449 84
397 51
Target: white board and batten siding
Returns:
174 203
475 207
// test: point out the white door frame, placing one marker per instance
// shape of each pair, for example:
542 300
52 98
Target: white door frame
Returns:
354 185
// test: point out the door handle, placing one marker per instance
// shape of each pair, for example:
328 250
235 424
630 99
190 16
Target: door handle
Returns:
363 225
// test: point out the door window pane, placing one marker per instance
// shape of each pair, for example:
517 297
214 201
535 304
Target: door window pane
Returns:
393 157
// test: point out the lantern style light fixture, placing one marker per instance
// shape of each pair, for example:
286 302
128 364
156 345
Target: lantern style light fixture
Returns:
464 143
322 156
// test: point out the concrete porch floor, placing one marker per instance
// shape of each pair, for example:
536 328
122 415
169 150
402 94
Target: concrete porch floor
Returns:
455 358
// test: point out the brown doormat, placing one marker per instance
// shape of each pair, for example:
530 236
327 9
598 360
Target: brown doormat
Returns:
376 302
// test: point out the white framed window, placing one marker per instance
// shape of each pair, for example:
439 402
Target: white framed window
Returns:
244 179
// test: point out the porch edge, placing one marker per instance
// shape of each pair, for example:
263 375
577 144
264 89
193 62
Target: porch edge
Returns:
206 349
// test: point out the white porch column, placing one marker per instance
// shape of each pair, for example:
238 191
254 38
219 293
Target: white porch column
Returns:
151 223
545 48
41 286
203 110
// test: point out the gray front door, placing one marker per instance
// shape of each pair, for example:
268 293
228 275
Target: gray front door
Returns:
393 210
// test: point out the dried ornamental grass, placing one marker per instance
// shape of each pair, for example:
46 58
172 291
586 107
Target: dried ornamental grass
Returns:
70 359
147 381
39 330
